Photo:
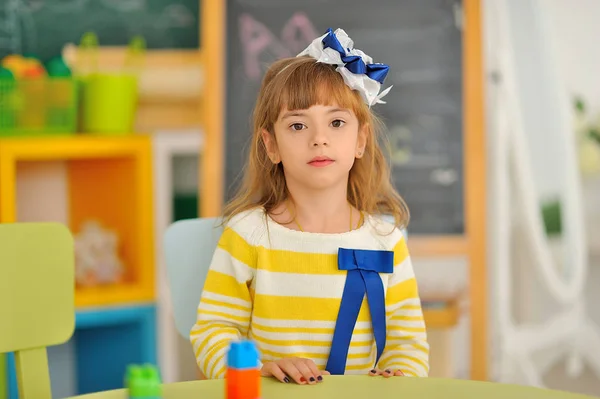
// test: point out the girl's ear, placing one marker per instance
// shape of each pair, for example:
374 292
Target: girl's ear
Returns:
361 142
271 146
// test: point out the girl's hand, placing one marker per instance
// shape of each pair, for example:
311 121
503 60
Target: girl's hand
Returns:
302 371
386 373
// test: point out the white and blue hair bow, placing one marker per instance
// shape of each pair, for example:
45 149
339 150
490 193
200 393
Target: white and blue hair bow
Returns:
357 68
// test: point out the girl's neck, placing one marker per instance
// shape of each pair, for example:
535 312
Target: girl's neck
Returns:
320 212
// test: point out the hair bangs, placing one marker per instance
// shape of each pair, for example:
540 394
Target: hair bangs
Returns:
305 83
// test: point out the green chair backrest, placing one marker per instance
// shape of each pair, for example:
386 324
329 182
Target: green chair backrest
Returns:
37 299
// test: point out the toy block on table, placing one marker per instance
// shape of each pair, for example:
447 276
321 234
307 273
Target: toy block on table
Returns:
143 382
243 371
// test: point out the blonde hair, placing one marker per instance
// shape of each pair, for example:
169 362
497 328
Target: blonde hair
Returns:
299 83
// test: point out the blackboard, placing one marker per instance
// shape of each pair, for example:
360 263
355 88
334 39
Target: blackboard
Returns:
43 27
421 40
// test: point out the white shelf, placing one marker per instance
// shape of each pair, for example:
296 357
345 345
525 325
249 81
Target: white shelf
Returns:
166 146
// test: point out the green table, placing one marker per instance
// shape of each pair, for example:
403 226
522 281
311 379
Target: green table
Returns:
359 387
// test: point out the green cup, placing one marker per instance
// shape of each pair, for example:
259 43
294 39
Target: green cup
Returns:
109 103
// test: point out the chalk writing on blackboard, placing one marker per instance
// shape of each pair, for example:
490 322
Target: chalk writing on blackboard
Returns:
257 39
43 27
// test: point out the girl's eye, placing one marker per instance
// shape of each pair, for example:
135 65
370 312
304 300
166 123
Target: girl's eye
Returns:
337 123
297 126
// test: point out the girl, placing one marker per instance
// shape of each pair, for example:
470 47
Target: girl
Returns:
307 266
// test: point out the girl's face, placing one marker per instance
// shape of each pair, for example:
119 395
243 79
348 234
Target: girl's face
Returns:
317 146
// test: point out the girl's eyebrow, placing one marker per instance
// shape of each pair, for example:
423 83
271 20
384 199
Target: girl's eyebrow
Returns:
293 113
333 110
298 113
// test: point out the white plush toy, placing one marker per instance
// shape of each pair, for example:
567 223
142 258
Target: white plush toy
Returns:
96 258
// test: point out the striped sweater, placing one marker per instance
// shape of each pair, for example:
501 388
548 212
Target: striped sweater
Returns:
282 289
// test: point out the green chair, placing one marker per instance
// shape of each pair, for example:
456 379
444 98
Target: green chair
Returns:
37 299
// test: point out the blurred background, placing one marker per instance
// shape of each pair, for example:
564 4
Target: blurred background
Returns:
119 117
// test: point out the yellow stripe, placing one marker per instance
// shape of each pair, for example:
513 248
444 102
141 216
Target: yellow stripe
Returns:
410 338
302 308
405 368
416 360
308 355
404 318
409 307
226 304
402 291
280 261
237 247
400 251
398 357
217 361
366 367
208 325
407 343
195 333
241 319
224 284
215 348
213 334
306 330
221 371
204 343
406 329
292 342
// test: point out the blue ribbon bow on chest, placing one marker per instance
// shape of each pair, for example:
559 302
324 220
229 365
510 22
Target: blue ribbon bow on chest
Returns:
363 277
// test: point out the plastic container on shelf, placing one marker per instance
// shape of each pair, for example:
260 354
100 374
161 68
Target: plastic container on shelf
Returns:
109 103
109 98
38 106
34 101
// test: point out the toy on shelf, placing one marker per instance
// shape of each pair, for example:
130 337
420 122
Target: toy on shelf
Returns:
24 67
143 382
36 98
243 372
96 258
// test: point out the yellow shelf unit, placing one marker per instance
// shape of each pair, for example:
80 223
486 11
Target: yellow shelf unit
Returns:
109 179
442 318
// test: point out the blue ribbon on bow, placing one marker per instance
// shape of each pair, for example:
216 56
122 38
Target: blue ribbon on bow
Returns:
354 63
363 268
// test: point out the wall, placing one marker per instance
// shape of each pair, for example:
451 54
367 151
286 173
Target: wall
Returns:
572 35
575 34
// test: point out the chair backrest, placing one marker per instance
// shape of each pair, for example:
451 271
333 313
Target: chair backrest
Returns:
188 247
37 298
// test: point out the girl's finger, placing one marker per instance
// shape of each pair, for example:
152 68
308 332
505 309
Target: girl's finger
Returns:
314 370
306 371
399 373
387 373
292 371
375 372
273 370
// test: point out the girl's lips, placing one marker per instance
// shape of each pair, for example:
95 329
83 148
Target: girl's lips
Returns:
319 163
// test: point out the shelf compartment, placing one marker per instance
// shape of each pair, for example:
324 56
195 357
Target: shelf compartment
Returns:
108 180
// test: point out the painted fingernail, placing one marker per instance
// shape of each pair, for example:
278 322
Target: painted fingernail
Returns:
388 371
373 371
320 378
286 380
312 379
302 379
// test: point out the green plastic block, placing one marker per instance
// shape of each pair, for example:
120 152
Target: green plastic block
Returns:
143 381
